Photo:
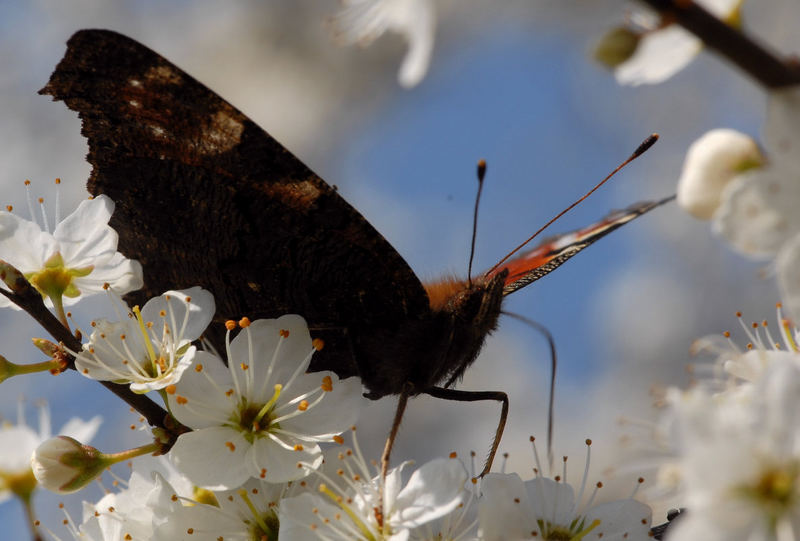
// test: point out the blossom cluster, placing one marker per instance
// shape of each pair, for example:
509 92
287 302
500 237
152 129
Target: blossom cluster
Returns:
258 453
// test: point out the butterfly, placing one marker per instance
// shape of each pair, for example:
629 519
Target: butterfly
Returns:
206 197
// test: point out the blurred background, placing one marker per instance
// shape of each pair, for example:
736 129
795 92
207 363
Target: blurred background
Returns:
512 82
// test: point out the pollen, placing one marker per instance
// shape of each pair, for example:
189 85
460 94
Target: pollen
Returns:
229 392
198 368
339 440
298 447
188 299
318 343
453 455
243 366
170 389
9 208
244 322
122 337
303 405
230 324
284 333
162 313
327 384
181 400
230 446
58 180
27 182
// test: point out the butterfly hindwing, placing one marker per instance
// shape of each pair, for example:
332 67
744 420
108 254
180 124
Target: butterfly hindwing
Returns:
204 196
553 252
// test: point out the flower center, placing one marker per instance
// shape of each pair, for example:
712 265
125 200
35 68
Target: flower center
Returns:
263 527
54 280
574 532
255 419
775 491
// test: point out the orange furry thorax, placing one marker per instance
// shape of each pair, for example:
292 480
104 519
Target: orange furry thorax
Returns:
442 291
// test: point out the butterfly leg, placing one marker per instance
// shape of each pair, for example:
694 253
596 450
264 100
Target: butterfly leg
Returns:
398 418
474 396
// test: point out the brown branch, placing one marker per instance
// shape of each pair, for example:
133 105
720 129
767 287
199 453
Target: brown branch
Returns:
751 57
27 298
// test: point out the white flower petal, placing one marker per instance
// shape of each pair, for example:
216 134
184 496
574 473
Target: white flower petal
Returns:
298 514
206 403
90 216
660 55
434 490
502 515
201 311
550 499
337 412
362 21
213 458
81 430
282 464
758 211
621 520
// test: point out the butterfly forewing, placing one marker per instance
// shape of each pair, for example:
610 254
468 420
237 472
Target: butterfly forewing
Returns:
204 196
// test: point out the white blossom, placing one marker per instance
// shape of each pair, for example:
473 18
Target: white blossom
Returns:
74 260
355 503
548 509
261 415
151 348
664 50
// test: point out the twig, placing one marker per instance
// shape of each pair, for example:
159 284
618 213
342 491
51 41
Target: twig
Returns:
27 298
755 60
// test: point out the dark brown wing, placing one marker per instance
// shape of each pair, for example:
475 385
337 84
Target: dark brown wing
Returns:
206 197
553 252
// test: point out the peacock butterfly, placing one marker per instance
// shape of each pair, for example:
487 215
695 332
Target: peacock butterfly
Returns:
204 196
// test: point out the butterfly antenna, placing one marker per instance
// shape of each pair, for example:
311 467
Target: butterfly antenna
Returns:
641 149
481 175
553 368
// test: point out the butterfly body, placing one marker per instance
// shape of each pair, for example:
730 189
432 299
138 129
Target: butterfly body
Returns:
206 197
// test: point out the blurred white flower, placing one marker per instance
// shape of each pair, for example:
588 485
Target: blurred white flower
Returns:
757 212
363 21
74 260
349 505
747 364
548 509
740 459
151 348
261 416
132 512
666 48
18 442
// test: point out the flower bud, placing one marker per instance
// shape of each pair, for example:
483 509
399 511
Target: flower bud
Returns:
63 464
47 347
13 278
711 163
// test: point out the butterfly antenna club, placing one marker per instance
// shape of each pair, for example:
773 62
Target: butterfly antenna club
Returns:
481 176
